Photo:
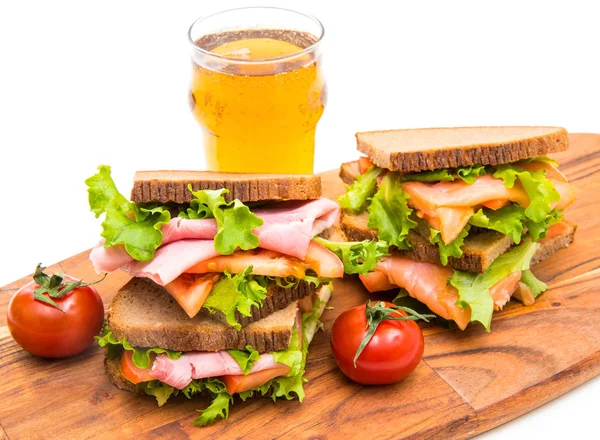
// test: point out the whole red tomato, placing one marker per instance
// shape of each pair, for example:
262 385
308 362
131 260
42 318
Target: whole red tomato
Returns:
44 330
392 353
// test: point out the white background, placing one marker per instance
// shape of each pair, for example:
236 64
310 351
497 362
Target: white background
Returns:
89 83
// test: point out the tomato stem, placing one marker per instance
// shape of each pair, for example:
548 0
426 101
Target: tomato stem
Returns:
378 312
55 286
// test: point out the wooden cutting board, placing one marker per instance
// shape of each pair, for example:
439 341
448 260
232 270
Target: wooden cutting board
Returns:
468 382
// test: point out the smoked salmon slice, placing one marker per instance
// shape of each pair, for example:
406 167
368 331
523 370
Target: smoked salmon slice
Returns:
428 283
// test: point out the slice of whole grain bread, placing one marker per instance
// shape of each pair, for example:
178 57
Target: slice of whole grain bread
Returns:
414 150
166 186
148 316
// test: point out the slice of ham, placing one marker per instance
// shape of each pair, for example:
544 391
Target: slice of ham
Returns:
288 228
198 365
428 283
172 260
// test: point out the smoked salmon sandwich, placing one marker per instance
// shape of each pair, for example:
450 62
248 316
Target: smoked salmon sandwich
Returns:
229 280
466 211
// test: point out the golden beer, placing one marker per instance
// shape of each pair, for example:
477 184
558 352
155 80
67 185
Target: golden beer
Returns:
258 96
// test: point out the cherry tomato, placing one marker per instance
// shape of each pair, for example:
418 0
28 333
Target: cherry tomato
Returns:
392 353
46 331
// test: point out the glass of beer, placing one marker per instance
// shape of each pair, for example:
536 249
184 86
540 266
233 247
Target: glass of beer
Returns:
258 89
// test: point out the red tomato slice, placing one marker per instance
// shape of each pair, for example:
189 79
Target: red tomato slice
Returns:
324 262
241 383
191 290
364 163
131 372
264 262
554 231
495 204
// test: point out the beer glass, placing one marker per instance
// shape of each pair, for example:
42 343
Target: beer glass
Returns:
258 89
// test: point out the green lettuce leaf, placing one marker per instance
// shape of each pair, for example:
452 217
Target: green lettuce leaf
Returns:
453 249
237 293
235 221
140 356
359 257
292 357
474 289
530 280
444 174
508 220
245 358
544 159
467 174
161 391
389 212
125 223
540 190
219 407
362 188
511 220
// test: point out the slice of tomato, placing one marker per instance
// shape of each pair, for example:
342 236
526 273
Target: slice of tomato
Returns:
495 204
132 372
241 383
263 262
554 231
364 163
324 262
191 290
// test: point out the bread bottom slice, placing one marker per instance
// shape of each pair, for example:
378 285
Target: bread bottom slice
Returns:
147 316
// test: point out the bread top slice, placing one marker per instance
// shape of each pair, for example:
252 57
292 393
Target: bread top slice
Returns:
479 250
147 316
166 186
424 149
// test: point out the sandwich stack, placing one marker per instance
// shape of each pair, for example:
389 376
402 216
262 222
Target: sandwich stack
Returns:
467 212
227 283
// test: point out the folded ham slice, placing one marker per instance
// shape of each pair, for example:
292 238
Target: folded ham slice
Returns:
198 365
288 228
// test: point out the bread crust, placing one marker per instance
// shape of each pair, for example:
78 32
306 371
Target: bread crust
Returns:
165 186
415 150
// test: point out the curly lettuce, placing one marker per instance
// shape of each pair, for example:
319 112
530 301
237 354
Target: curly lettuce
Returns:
539 189
235 221
474 289
125 223
358 257
237 293
361 189
389 212
467 174
140 356
512 220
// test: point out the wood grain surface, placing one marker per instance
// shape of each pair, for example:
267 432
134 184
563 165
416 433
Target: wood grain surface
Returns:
468 382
